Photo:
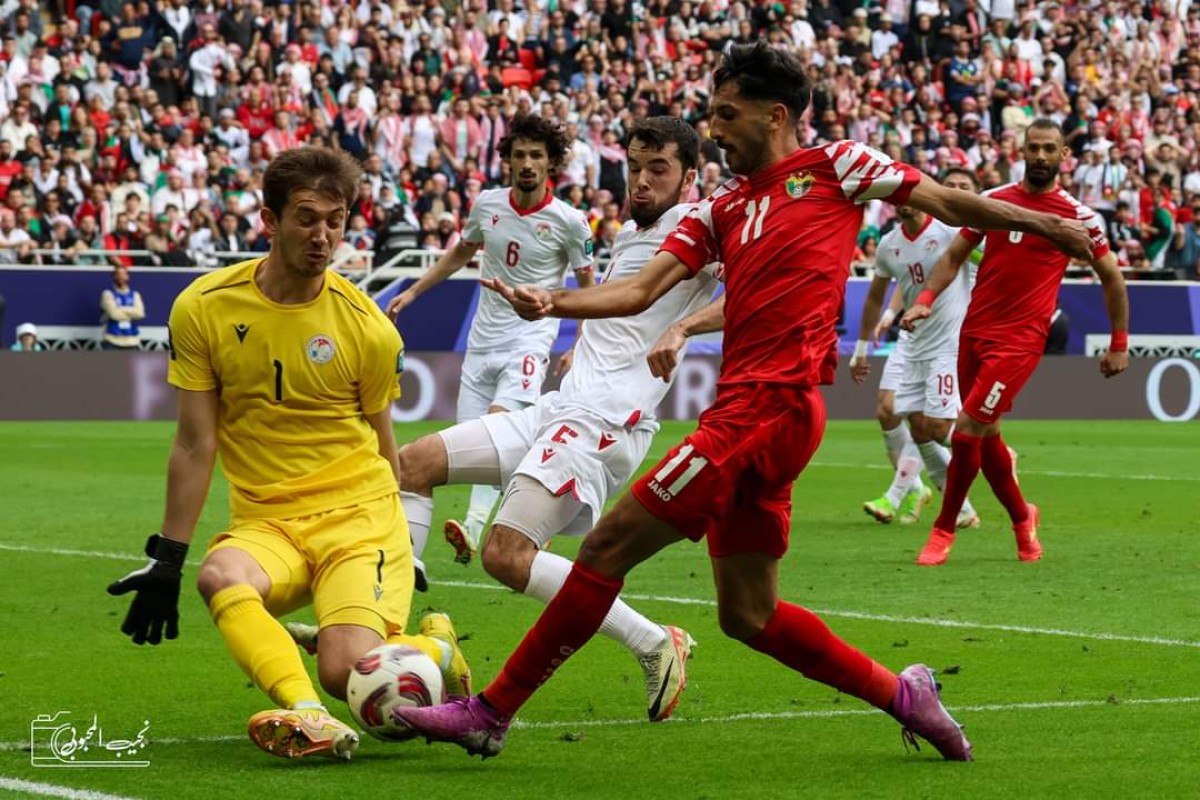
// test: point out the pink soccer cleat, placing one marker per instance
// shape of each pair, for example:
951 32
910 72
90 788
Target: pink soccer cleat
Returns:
1029 547
466 721
936 549
918 708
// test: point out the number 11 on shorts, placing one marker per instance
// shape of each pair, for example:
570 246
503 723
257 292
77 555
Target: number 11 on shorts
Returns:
694 465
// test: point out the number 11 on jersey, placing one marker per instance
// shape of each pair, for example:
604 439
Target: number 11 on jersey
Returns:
756 212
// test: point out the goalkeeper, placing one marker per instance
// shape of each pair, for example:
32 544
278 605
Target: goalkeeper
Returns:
289 372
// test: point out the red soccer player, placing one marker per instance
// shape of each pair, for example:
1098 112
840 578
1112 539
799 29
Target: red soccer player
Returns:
785 233
1004 334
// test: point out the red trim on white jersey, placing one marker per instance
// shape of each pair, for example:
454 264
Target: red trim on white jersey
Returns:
525 212
917 235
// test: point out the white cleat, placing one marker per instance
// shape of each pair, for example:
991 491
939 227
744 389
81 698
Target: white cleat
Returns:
666 672
967 519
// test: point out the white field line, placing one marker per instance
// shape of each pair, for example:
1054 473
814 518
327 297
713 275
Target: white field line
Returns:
1052 473
749 716
50 790
695 601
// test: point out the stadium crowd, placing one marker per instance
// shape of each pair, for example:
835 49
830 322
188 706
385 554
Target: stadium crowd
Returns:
147 125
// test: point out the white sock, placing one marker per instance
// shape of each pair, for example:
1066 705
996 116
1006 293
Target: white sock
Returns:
937 460
895 441
549 572
479 509
418 509
908 474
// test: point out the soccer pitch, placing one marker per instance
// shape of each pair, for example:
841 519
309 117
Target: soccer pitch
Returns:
1075 677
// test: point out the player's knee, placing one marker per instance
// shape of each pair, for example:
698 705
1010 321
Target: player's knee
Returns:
507 555
423 464
884 412
933 430
229 567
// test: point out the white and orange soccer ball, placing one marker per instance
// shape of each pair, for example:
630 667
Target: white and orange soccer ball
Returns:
392 675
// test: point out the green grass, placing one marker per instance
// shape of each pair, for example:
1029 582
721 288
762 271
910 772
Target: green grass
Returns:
1052 715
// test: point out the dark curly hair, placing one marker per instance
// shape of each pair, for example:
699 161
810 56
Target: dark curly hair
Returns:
537 129
764 72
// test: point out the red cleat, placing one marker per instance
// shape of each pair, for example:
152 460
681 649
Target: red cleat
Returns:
937 549
1029 547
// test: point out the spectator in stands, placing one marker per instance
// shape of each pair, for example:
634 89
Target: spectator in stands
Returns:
1184 256
122 309
16 245
229 238
27 339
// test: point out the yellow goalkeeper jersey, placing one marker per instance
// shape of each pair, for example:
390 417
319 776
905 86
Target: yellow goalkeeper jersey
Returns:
295 383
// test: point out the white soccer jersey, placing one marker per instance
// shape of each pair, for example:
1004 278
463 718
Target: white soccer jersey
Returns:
522 246
911 262
610 376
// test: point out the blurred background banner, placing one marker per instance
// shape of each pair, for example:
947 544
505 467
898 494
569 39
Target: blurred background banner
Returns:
64 301
73 385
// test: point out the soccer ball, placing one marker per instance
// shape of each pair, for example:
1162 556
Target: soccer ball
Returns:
389 676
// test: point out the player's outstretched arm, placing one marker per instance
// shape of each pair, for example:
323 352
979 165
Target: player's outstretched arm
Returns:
451 262
664 355
154 612
1116 300
620 298
959 208
868 327
942 275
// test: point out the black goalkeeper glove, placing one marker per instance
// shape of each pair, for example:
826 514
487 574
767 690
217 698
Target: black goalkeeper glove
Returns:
157 585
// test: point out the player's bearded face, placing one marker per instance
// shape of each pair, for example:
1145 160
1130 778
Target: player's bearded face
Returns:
1043 152
740 129
656 181
530 165
309 232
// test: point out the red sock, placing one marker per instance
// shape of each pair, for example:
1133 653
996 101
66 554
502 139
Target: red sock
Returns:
965 457
798 638
569 621
998 469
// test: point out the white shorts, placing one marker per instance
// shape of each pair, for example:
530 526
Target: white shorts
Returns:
577 456
512 380
930 387
893 368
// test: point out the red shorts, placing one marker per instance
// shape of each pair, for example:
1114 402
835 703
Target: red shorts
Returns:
731 478
990 376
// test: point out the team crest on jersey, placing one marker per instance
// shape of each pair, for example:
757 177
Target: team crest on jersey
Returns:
320 349
543 232
931 245
495 219
798 184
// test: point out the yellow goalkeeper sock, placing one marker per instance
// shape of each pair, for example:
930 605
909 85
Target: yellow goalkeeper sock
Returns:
261 646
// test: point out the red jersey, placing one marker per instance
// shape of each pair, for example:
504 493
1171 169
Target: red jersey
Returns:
1016 290
786 236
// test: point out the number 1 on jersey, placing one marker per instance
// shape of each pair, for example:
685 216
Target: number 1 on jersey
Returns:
278 381
756 212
